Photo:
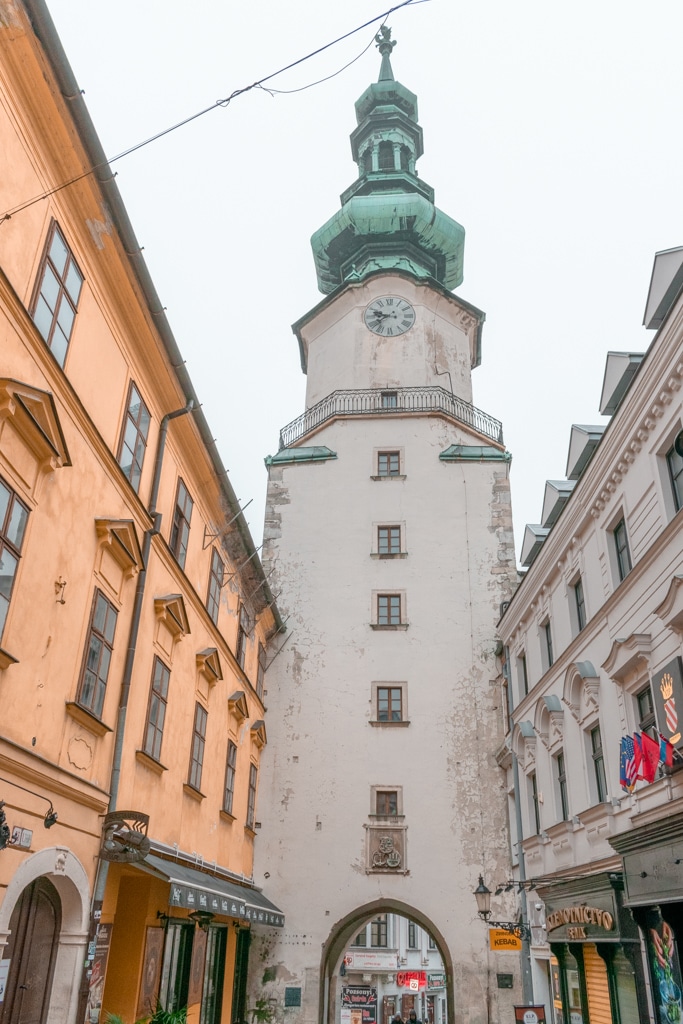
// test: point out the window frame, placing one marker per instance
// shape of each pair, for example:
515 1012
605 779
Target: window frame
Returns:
561 783
157 702
198 747
48 265
251 797
243 627
389 463
547 658
389 540
534 804
647 721
412 935
95 705
389 399
579 603
9 536
230 777
386 802
390 607
180 528
262 667
391 717
624 565
523 673
139 434
216 577
675 477
598 757
379 932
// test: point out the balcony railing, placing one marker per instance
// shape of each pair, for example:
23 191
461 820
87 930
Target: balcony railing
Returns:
389 402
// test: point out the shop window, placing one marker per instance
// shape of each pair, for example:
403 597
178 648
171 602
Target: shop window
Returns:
180 530
378 932
216 574
214 973
175 968
133 443
57 293
156 711
98 652
13 519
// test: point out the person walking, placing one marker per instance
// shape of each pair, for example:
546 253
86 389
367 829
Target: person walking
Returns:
412 1018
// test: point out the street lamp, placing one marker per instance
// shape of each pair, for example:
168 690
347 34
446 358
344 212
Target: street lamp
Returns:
482 895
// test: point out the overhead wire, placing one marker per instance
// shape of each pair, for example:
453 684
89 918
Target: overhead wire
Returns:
259 84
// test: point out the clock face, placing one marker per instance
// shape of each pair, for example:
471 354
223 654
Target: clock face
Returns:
389 316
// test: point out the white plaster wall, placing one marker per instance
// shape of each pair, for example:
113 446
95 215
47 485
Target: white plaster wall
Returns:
323 756
343 353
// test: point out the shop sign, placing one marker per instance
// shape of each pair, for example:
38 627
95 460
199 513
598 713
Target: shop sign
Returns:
667 690
367 961
198 899
436 980
576 919
530 1014
499 940
358 995
414 980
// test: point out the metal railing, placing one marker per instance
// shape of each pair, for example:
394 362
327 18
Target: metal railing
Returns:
388 402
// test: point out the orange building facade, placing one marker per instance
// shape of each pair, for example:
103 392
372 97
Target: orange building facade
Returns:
136 623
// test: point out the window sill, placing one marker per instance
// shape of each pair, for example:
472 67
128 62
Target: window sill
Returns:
395 554
250 831
227 816
189 790
150 762
390 725
386 818
386 476
86 718
7 659
400 625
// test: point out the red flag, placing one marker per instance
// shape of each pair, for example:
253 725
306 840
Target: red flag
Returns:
650 757
638 753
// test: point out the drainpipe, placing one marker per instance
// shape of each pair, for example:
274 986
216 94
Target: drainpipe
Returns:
527 981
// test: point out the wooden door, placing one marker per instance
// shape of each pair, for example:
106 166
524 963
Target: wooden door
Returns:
32 950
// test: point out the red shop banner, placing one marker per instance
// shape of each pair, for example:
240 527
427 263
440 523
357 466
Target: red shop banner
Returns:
413 980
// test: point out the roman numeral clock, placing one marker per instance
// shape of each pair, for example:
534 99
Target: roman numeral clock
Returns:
389 316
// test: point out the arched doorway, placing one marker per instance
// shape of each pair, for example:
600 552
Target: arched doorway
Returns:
32 949
341 936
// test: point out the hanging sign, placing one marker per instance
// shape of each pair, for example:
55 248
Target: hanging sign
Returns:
530 1014
667 691
500 940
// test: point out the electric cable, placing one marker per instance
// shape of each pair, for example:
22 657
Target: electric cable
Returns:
259 84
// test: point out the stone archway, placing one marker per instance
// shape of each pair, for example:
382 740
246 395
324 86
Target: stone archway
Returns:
67 875
343 931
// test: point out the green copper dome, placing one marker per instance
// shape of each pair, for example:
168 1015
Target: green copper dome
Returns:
388 220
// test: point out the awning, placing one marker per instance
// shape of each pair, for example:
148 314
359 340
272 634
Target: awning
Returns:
198 890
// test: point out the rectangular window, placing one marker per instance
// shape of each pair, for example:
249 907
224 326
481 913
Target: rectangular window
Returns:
386 802
261 671
230 769
378 931
216 574
548 641
522 674
389 464
180 530
57 294
251 800
156 712
535 806
646 713
675 463
431 943
98 654
13 519
134 437
598 764
389 540
389 704
561 777
361 939
579 604
412 935
198 744
389 399
621 550
242 634
388 609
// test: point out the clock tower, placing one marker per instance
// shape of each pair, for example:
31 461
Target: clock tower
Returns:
389 535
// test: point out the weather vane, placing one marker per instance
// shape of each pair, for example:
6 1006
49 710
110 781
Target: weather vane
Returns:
385 43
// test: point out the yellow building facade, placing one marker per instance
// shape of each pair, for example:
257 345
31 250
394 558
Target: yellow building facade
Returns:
136 623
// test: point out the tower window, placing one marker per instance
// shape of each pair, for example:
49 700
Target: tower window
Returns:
386 156
389 540
405 158
389 610
388 464
367 161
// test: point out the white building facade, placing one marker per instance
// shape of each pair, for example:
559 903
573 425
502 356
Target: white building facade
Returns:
388 530
593 640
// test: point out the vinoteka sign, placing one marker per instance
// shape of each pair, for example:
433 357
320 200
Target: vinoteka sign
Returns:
580 916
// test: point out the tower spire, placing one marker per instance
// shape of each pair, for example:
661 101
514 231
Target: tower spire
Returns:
385 45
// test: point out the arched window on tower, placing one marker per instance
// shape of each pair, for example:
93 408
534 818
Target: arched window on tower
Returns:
405 158
367 161
386 156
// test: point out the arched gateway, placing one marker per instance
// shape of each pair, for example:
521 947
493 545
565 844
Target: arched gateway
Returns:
340 938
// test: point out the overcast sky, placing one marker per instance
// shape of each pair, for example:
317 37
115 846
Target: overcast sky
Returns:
552 133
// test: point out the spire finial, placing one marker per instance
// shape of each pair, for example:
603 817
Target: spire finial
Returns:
385 45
